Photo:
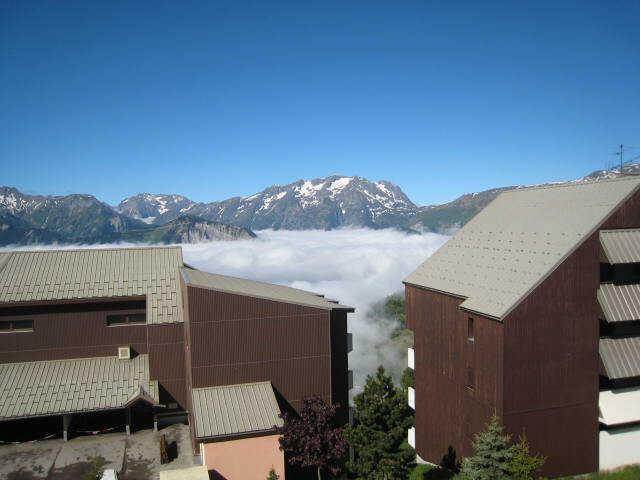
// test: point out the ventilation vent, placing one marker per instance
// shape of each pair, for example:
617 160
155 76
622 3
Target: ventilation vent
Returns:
124 353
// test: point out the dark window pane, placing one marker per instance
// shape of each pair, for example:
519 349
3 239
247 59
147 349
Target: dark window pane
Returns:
470 329
137 318
116 319
23 324
5 325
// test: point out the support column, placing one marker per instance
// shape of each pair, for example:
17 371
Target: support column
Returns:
128 424
155 422
66 423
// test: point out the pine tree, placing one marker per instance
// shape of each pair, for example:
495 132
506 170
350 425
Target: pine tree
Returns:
273 475
407 379
492 456
379 433
311 439
524 466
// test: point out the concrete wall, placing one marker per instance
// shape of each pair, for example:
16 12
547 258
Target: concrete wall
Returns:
244 459
619 447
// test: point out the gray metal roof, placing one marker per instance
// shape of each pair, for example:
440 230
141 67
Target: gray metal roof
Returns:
619 303
620 357
54 387
235 409
31 276
512 245
621 246
252 288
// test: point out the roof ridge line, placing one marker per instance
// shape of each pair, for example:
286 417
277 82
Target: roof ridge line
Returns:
90 248
572 183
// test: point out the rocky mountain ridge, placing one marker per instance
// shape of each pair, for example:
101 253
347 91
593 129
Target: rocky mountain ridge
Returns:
37 219
322 203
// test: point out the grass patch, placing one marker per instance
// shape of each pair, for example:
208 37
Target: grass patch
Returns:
626 473
429 472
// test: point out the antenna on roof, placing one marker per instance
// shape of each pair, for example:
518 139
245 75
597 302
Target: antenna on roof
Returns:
621 153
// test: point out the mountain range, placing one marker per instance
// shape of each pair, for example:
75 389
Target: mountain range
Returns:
322 203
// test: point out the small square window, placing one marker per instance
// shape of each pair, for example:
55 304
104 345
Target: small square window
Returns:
470 335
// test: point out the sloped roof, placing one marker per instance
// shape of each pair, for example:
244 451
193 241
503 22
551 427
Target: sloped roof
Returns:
619 303
235 409
55 387
512 245
253 288
620 357
621 246
30 276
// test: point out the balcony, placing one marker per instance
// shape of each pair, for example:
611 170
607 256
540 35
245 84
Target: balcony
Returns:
350 379
411 358
411 436
349 342
411 397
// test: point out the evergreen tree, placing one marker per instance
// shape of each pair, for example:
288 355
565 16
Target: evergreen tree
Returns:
407 379
492 456
273 475
524 466
311 440
379 433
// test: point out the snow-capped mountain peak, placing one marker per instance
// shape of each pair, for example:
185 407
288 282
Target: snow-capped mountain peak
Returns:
326 202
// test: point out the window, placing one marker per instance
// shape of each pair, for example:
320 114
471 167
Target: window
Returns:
471 378
16 325
126 319
470 336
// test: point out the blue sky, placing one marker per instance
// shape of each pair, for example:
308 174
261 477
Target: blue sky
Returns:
215 99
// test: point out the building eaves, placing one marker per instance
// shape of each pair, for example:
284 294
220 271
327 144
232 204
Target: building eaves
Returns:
621 246
509 248
231 410
620 357
619 303
56 387
48 276
252 288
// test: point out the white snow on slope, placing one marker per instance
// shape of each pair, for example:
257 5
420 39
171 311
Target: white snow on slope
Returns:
338 185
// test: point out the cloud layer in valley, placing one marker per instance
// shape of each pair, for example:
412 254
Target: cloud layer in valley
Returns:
359 267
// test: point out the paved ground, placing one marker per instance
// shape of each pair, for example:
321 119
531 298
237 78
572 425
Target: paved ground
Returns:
136 457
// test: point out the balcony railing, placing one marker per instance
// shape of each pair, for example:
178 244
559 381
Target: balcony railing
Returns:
411 397
411 358
411 436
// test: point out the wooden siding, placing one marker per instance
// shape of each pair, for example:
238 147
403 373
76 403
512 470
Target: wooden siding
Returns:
73 334
167 361
551 350
538 370
339 364
67 331
448 413
238 339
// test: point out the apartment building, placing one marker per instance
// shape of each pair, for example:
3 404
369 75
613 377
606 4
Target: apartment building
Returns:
532 312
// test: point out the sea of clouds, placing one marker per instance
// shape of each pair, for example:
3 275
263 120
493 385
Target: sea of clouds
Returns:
359 267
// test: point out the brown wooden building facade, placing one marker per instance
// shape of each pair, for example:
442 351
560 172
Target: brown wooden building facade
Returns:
506 321
194 330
